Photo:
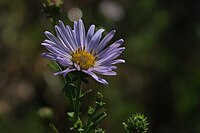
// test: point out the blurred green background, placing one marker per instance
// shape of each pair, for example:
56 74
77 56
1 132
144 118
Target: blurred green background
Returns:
161 76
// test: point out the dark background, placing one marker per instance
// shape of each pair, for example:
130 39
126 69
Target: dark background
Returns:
161 76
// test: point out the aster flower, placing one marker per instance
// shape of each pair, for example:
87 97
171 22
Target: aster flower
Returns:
78 50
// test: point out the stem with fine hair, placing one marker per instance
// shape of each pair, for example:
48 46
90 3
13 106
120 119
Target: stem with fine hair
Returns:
77 102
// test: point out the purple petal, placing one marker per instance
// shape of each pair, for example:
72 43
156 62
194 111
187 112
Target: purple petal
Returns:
117 61
77 66
105 40
81 32
64 39
56 51
117 43
90 33
110 73
54 41
48 55
97 78
95 40
68 34
61 47
105 72
111 55
110 52
76 34
64 72
53 49
71 35
64 61
111 48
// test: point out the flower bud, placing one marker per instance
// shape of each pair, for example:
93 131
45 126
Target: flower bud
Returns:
45 113
137 123
56 3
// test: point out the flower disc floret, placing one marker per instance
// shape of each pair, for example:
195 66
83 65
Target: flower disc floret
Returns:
84 59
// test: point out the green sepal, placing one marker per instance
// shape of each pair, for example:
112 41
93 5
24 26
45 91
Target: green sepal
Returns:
90 111
70 115
99 96
99 103
99 130
78 126
54 66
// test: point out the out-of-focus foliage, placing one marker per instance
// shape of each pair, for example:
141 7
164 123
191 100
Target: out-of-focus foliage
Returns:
161 77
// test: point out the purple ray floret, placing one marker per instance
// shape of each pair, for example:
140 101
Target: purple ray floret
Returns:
78 50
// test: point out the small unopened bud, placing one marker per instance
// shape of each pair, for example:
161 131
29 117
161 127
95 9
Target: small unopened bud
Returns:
90 110
137 123
78 126
57 3
99 130
52 8
45 113
99 102
99 96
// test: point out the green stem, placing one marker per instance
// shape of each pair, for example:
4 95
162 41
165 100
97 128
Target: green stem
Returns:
88 126
90 118
53 127
77 102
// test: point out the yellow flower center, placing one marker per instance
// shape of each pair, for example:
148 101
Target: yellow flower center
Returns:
84 59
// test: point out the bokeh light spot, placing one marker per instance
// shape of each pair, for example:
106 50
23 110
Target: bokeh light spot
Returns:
74 14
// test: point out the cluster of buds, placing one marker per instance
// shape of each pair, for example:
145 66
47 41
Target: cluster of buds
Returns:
137 123
52 8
